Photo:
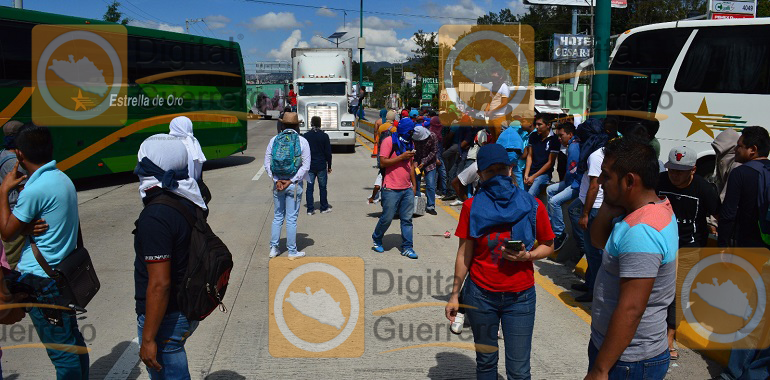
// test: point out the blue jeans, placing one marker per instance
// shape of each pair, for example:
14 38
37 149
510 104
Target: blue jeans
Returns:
322 178
69 365
583 240
747 365
650 369
538 184
172 334
286 204
392 201
441 172
430 188
559 194
517 173
516 311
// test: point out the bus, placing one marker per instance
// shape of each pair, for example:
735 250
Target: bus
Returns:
202 78
697 78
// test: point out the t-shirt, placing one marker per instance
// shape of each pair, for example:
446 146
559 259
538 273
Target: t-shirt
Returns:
469 175
541 150
488 268
162 234
398 176
292 98
497 101
49 194
595 161
739 214
641 245
6 168
691 205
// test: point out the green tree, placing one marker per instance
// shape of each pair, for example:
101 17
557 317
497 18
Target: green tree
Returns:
763 8
113 14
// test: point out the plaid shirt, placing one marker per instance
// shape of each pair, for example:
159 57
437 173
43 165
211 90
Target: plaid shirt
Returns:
427 152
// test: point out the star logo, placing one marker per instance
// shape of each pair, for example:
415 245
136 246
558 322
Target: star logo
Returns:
82 101
707 122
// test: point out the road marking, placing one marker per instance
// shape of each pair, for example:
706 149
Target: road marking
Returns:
126 363
259 174
364 144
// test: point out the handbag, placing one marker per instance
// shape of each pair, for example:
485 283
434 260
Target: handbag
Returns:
75 275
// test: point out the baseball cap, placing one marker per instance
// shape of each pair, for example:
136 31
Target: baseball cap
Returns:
681 158
491 154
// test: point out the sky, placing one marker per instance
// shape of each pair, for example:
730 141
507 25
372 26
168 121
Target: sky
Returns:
268 30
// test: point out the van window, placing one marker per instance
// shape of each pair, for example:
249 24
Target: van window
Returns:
729 59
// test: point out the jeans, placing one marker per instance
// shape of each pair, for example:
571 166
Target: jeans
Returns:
583 240
747 365
69 365
519 176
392 201
322 178
441 173
650 369
537 184
516 311
286 204
451 157
172 334
430 188
559 194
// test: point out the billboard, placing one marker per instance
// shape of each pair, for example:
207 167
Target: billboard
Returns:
576 3
572 47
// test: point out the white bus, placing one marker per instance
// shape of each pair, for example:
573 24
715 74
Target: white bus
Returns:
698 79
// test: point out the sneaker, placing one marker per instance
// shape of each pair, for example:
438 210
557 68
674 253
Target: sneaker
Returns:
456 202
500 332
274 252
410 253
581 287
296 255
585 298
558 243
457 326
311 212
328 210
378 248
431 211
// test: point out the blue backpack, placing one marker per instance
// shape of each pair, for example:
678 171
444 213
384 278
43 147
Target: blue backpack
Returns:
763 200
286 155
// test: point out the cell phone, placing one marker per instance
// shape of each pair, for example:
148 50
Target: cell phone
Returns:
514 245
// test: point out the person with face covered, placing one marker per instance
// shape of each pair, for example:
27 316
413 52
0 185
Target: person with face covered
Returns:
398 187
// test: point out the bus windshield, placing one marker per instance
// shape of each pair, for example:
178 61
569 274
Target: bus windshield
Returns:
321 89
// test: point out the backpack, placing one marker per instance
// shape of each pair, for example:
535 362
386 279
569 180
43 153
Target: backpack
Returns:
208 265
286 155
763 199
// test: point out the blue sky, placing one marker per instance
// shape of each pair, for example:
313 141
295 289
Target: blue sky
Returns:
270 31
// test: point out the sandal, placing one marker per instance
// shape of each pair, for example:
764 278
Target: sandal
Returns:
673 353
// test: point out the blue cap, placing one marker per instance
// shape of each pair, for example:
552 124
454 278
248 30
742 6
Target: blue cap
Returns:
491 154
414 113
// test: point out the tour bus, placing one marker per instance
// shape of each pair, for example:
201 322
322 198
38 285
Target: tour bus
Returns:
202 78
697 78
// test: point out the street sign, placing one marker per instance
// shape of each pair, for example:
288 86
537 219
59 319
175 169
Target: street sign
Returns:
739 7
728 16
368 86
572 47
427 96
429 85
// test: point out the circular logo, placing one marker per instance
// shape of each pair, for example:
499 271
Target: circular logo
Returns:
280 299
757 315
465 42
42 67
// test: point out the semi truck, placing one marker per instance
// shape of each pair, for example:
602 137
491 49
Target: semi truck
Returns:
322 79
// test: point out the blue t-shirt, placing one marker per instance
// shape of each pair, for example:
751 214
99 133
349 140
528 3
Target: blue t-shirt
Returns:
49 194
572 176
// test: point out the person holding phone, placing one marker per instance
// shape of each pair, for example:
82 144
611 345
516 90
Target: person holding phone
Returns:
498 229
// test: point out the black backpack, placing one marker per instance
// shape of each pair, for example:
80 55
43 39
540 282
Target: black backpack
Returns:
208 265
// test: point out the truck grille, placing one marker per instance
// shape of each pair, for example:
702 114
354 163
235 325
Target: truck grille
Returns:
328 115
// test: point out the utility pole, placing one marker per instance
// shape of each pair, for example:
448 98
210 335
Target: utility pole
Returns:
574 31
600 84
361 46
18 4
188 21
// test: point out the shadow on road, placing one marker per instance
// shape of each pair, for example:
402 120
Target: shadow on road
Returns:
228 375
452 365
303 241
102 366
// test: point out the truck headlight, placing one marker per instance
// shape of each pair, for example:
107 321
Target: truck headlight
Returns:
347 123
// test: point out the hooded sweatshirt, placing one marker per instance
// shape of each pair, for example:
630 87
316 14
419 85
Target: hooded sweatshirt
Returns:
724 146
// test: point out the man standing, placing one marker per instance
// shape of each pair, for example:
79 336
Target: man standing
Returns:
398 187
320 164
637 279
48 194
426 144
287 162
7 163
543 149
292 98
566 190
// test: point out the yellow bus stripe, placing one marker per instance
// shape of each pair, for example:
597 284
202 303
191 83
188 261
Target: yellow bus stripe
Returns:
15 105
171 74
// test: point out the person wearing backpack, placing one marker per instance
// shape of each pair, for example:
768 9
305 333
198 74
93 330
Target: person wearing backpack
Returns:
7 162
287 162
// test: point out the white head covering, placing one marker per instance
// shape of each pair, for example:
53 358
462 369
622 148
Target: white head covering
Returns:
169 153
182 127
420 133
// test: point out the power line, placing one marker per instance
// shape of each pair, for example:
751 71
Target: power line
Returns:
213 35
356 10
146 13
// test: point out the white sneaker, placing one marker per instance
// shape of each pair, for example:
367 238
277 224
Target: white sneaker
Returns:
274 252
456 202
311 212
297 255
457 326
328 210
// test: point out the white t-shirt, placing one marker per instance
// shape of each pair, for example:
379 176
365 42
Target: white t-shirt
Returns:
594 170
469 175
504 92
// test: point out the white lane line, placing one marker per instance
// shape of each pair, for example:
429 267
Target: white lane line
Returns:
259 174
126 363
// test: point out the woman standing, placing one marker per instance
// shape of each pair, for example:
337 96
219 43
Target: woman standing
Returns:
501 283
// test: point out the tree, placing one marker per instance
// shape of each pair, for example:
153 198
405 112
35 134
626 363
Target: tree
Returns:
763 8
113 14
425 59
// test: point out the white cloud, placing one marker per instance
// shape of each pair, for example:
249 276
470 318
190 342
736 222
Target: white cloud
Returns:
517 7
326 12
457 13
155 25
272 20
293 41
374 22
217 21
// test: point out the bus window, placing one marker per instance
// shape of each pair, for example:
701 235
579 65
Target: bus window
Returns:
321 89
732 59
16 53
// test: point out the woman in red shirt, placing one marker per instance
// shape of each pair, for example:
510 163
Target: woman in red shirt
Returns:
501 282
